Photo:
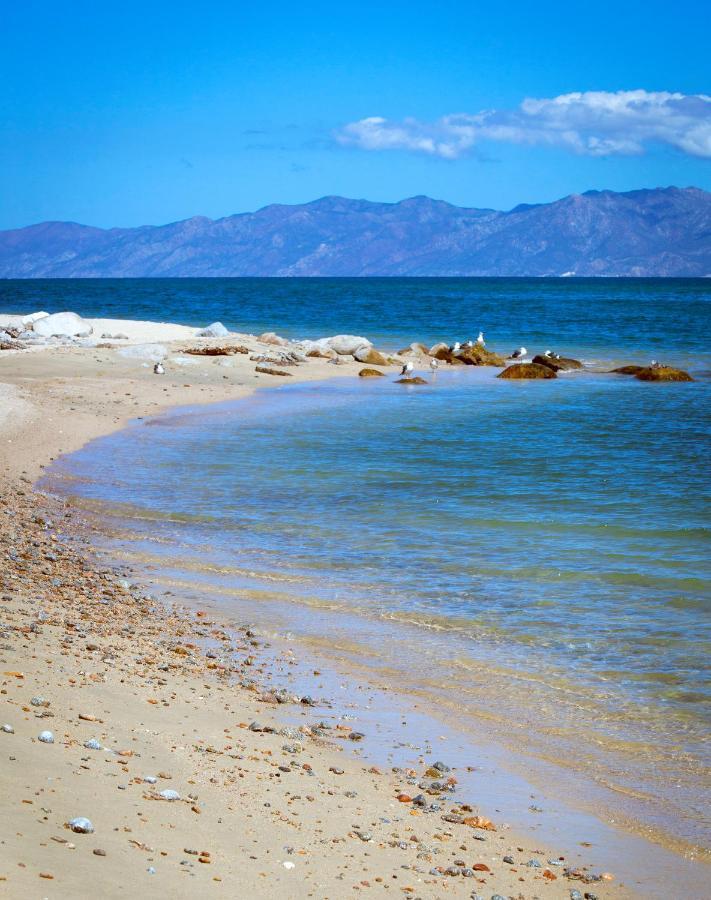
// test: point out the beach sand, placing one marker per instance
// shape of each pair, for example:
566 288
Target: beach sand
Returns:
169 694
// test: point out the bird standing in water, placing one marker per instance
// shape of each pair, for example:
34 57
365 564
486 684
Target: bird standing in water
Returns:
434 365
407 369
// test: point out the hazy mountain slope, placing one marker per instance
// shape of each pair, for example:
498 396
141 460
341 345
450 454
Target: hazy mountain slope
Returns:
651 232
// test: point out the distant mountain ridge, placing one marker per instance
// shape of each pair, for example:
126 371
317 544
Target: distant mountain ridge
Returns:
657 232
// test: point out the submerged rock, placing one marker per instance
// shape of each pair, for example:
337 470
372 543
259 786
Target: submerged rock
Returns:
370 373
561 363
527 371
414 380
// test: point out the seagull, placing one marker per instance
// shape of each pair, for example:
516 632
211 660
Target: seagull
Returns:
407 368
517 354
158 369
456 347
434 365
480 340
468 344
548 354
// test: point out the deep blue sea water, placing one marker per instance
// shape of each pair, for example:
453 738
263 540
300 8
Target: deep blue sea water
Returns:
529 553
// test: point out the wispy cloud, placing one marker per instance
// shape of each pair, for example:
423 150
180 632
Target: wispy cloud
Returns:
594 123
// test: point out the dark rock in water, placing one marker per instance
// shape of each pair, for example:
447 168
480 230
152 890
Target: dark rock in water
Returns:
663 373
628 370
415 380
370 373
480 356
444 354
562 363
527 370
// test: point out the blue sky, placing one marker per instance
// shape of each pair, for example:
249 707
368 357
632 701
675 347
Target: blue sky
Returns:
144 113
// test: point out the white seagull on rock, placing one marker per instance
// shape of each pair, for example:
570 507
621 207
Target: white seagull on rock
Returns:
408 368
456 347
480 340
517 354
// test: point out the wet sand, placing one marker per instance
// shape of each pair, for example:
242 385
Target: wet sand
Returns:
170 692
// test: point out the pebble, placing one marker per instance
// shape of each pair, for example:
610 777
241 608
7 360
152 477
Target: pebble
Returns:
169 794
46 737
92 744
99 852
289 865
8 729
533 864
39 701
80 825
150 779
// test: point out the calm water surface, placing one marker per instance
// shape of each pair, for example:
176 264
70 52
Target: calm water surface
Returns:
534 554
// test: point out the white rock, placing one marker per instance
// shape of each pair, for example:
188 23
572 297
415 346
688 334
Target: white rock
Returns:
270 338
347 344
46 737
150 779
80 825
27 321
153 352
64 324
217 329
169 794
92 744
8 729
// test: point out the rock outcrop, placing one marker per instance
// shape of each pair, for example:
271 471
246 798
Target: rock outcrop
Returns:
217 329
559 364
480 356
663 373
527 371
371 373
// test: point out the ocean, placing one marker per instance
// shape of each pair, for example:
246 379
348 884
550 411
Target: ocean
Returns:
531 560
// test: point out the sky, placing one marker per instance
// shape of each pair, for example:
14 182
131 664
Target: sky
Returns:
146 113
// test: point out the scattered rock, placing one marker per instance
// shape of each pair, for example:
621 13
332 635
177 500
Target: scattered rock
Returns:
370 373
80 825
267 370
663 373
527 371
217 329
8 729
46 737
480 356
169 794
269 337
414 380
347 344
370 356
558 364
225 350
64 324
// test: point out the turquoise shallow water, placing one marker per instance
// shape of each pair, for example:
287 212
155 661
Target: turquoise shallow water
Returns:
533 554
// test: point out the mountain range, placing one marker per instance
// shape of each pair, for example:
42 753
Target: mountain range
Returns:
658 232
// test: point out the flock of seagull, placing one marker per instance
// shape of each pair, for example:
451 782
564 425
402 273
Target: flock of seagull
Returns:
519 353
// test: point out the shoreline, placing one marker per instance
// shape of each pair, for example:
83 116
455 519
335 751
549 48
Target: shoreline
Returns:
71 372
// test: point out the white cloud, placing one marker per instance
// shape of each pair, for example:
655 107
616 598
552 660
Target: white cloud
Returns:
596 123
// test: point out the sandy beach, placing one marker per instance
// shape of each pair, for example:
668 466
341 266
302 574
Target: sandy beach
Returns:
198 778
